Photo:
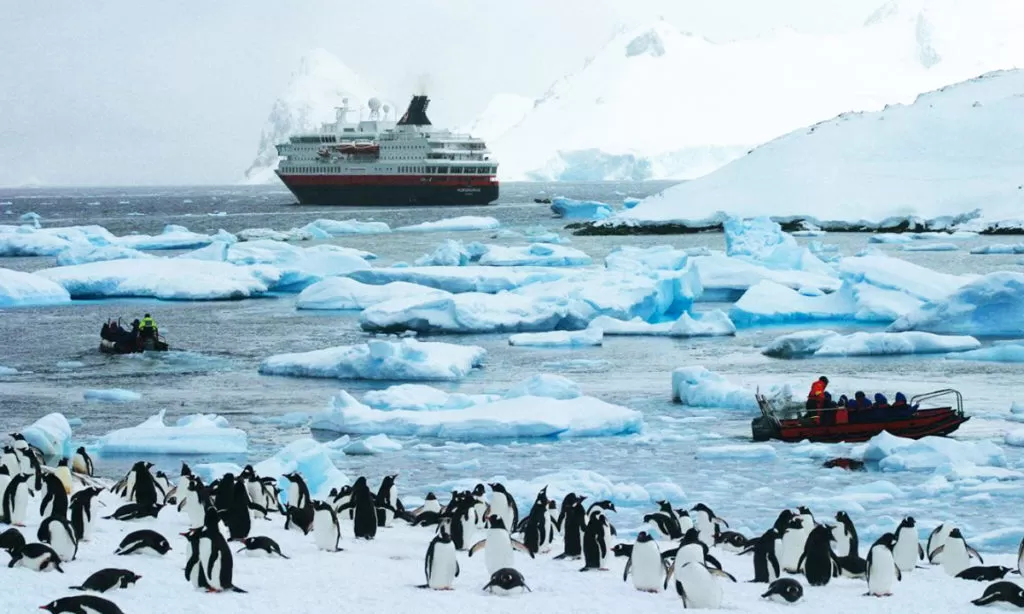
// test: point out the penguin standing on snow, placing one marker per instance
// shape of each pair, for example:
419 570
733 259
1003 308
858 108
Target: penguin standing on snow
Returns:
143 486
63 473
194 572
766 565
818 561
506 581
262 544
55 498
80 604
340 496
845 536
697 585
224 495
936 539
192 500
37 557
650 573
236 516
387 501
535 526
956 554
9 460
793 541
107 579
908 550
299 519
364 517
666 520
298 492
784 590
1008 593
706 523
595 549
57 532
81 462
504 506
498 545
81 513
441 566
572 520
145 540
882 572
326 529
215 557
16 499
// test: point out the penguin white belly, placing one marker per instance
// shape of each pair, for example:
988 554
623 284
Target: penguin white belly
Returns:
498 551
11 462
41 563
442 566
882 574
21 499
62 542
842 541
78 464
25 463
700 589
63 473
905 551
685 524
648 572
792 547
499 507
194 509
212 572
325 532
955 557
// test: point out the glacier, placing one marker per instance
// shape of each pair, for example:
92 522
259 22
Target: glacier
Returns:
18 289
195 434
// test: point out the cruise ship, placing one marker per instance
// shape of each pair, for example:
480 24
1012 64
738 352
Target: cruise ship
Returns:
378 161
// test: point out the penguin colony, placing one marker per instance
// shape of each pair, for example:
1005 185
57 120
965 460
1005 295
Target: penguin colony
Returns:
470 521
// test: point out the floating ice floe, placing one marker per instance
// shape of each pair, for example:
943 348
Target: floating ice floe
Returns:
708 324
540 235
463 223
168 279
659 257
992 305
347 293
111 395
82 253
545 385
196 434
269 234
725 278
520 417
18 289
50 434
337 228
7 370
174 237
419 397
999 248
772 303
894 453
699 387
750 451
452 253
374 444
31 218
536 254
570 209
28 241
889 238
458 279
899 275
559 338
309 458
829 343
930 247
380 359
1009 351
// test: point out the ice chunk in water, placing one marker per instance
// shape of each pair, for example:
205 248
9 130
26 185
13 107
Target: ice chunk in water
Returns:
992 305
559 338
198 434
50 434
18 289
112 395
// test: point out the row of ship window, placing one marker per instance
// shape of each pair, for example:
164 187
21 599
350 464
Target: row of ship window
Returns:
430 170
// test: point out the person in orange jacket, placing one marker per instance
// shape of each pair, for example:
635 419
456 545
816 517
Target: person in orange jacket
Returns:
816 398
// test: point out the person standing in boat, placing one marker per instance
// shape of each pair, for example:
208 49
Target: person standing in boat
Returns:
816 398
147 327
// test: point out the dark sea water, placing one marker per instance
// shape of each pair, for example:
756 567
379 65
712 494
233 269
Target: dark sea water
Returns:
220 345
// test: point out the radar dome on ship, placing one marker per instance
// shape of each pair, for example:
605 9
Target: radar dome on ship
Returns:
374 104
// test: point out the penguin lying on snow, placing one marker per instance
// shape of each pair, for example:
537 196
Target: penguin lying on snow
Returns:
80 604
134 511
984 574
784 590
142 541
263 544
12 540
1002 593
37 557
106 579
506 581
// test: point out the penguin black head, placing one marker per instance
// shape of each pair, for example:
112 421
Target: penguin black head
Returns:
62 462
889 540
665 506
700 507
691 537
185 470
795 523
908 523
17 437
479 490
785 589
430 497
623 549
498 487
4 470
495 522
12 540
130 577
842 517
643 537
606 505
358 484
804 510
552 505
956 534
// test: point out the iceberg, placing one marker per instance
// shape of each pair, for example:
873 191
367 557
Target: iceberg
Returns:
713 323
930 247
18 289
347 293
7 371
173 237
111 395
1001 352
379 359
699 387
269 234
81 253
50 434
570 209
470 312
888 344
724 278
999 248
1014 438
457 279
455 224
559 338
31 217
374 444
536 254
519 417
890 238
419 397
895 274
337 228
167 279
197 434
992 305
772 303
801 343
757 237
309 458
894 453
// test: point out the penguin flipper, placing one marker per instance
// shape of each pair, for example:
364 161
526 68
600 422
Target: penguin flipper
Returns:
714 562
800 562
722 574
899 574
612 528
518 545
625 570
986 599
920 552
935 553
480 545
972 552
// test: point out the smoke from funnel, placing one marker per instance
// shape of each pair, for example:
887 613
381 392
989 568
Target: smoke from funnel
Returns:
422 84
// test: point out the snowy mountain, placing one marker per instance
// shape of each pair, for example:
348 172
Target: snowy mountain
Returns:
320 84
951 152
503 112
660 103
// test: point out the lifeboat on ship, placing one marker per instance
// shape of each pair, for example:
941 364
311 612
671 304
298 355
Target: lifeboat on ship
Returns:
360 147
943 415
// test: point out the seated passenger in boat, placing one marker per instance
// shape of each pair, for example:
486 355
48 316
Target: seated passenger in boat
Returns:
900 406
881 402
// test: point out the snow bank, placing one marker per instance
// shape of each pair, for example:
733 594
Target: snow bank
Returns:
1000 352
18 289
82 253
458 279
545 385
374 444
168 279
419 397
347 293
463 223
111 395
197 434
309 458
50 434
992 305
559 338
580 209
699 387
536 254
708 324
378 359
894 453
520 417
337 228
174 237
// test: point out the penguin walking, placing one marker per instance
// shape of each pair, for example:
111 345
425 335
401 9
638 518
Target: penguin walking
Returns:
107 579
956 554
194 572
143 541
82 604
908 550
57 532
666 520
37 557
506 581
503 505
818 561
363 506
261 544
935 539
844 535
15 501
536 531
387 501
784 590
572 520
55 498
595 548
882 572
497 545
63 473
1009 594
326 529
766 565
440 565
215 557
134 511
650 573
81 462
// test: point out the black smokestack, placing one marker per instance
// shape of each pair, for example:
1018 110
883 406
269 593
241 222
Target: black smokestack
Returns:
416 114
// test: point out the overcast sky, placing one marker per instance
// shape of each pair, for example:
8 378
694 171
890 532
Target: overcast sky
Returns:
123 92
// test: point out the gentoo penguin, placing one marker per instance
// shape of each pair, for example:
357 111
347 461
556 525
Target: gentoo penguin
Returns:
194 572
705 521
731 541
503 504
793 541
5 479
364 517
262 544
254 491
19 441
595 548
9 460
604 507
784 590
134 511
387 501
63 473
852 566
11 540
1008 593
57 532
430 506
326 530
666 520
192 500
572 519
536 531
497 545
271 495
144 541
223 493
106 579
844 535
236 516
649 570
956 554
339 497
554 528
55 498
37 557
818 561
463 522
907 550
506 581
766 565
143 489
81 462
692 549
82 604
984 574
215 557
936 539
882 571
16 499
299 519
298 492
440 565
698 587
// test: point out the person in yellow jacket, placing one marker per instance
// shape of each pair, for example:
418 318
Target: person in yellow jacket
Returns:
147 327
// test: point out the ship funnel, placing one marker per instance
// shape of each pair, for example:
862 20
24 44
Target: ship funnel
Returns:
416 114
